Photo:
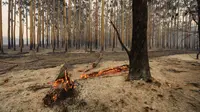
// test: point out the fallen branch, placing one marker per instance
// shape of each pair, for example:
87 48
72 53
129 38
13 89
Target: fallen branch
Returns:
7 62
7 69
33 61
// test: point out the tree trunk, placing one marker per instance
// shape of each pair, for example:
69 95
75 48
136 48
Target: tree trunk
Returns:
31 25
53 26
9 24
96 25
1 35
139 62
138 55
102 26
69 23
198 2
48 26
43 31
14 35
79 24
122 22
114 34
26 27
65 26
34 21
90 33
39 26
20 26
177 42
58 24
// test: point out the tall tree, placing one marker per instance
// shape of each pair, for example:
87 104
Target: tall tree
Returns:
31 25
102 25
39 27
26 27
139 62
198 4
1 35
12 23
65 26
43 21
122 21
14 32
20 25
69 23
90 33
34 22
96 24
138 54
53 26
9 24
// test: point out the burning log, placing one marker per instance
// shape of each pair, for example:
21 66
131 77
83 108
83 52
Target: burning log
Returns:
61 88
114 70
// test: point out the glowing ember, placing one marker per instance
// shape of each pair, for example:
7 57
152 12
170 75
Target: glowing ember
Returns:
114 70
55 97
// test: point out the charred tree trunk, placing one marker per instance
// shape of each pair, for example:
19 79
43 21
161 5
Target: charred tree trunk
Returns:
138 55
139 62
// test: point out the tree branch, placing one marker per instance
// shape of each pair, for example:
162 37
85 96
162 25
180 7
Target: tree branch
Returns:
119 38
191 13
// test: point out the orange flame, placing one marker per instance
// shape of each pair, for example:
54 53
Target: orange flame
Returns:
62 83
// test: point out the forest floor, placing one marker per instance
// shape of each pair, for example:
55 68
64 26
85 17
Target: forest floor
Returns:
24 82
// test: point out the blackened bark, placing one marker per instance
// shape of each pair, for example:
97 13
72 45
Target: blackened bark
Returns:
138 58
198 2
